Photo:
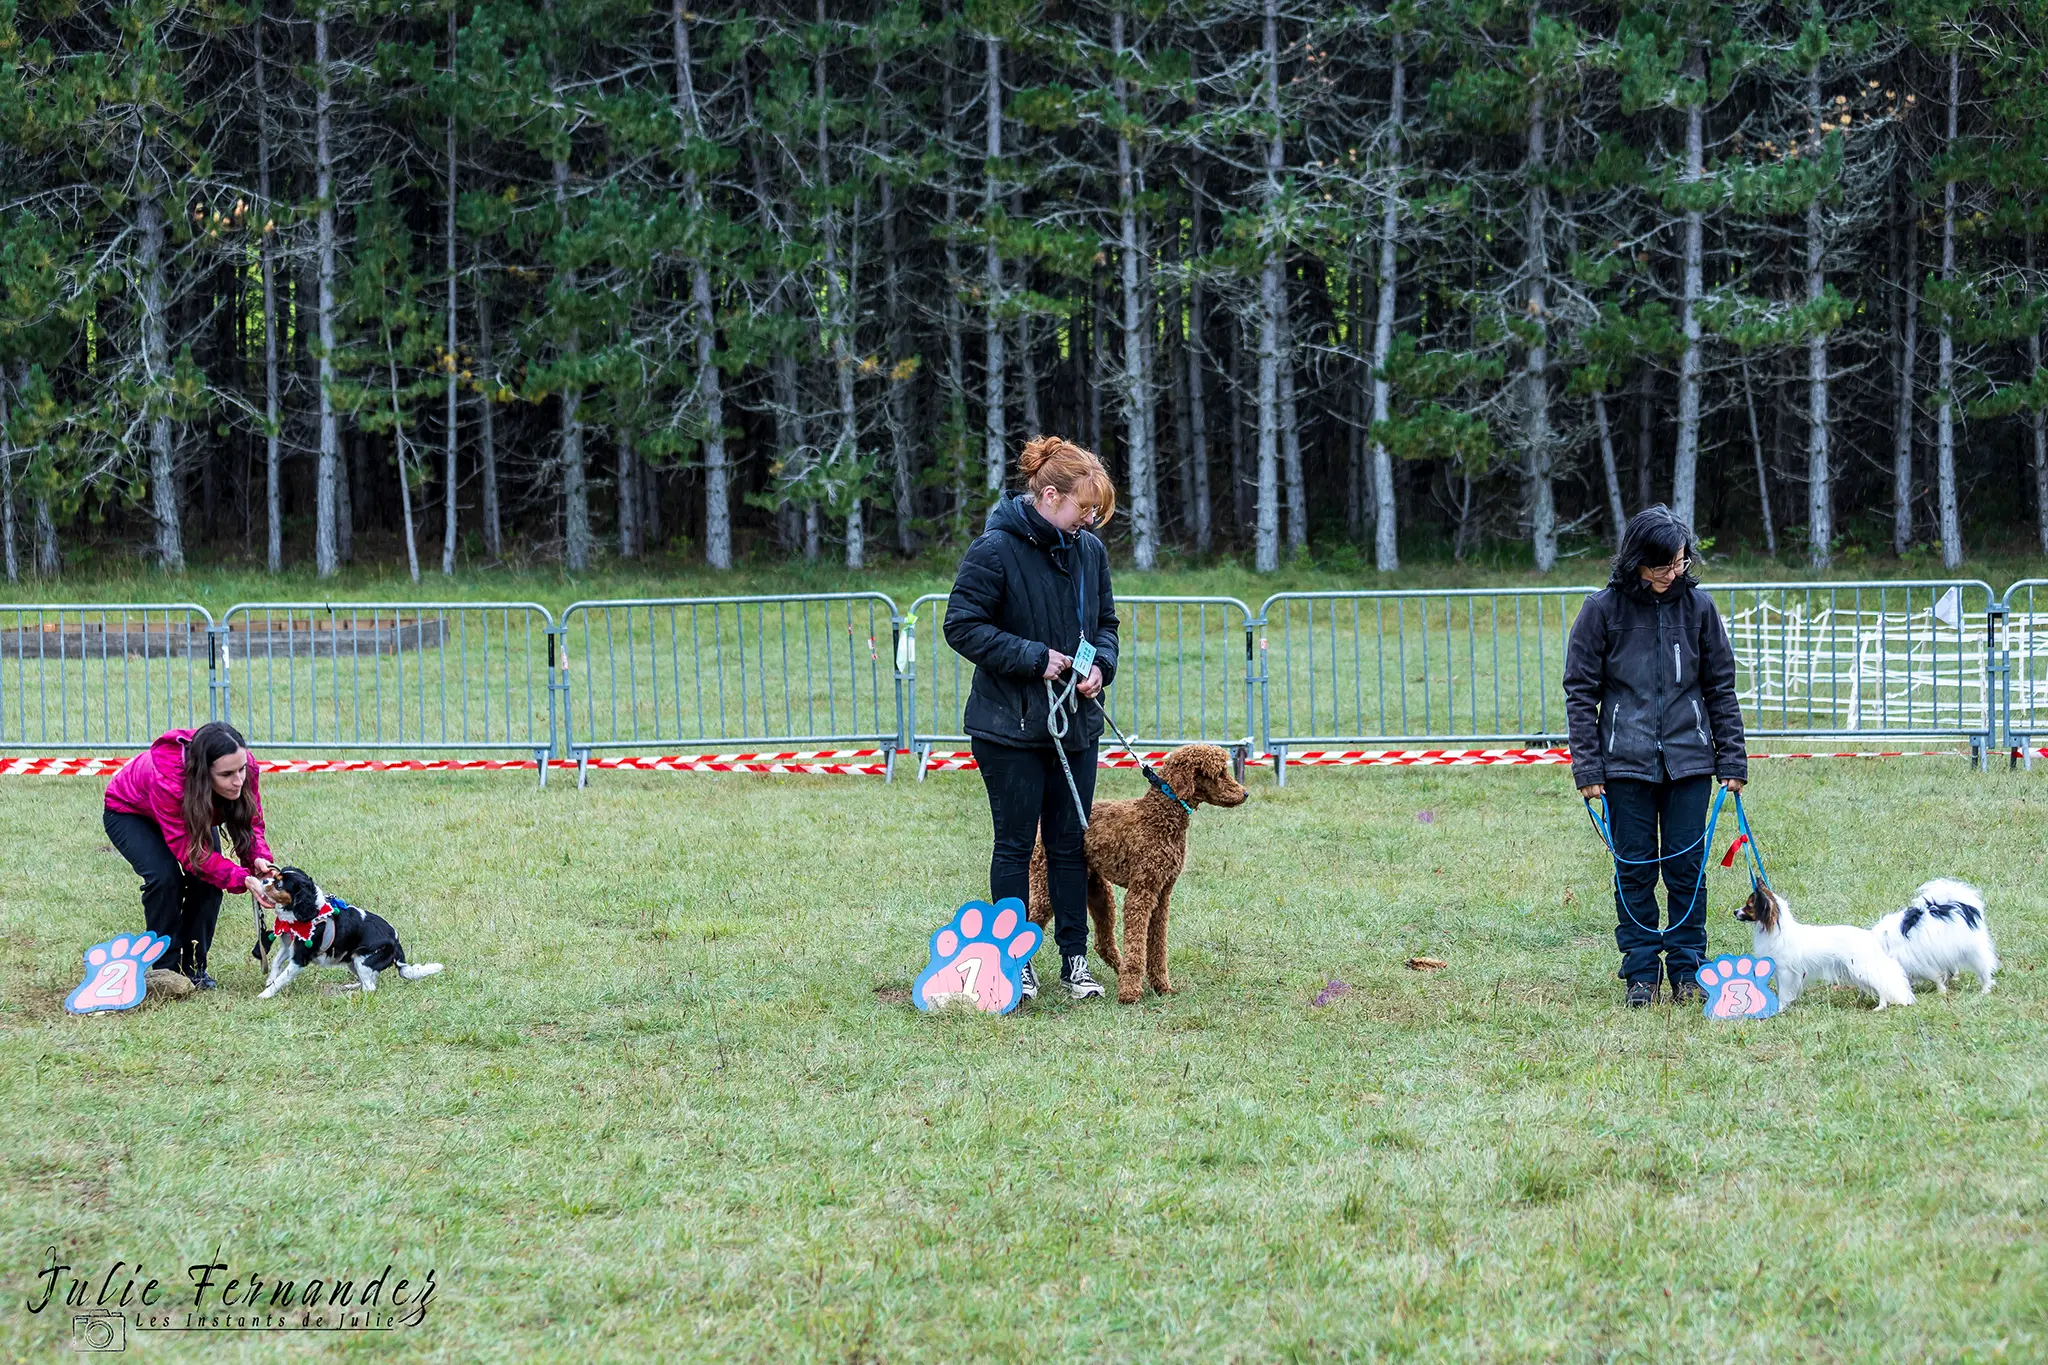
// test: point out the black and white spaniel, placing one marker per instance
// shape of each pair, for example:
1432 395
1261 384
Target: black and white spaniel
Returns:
319 930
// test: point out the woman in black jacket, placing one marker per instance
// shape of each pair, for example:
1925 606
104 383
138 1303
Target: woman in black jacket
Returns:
1032 588
1649 685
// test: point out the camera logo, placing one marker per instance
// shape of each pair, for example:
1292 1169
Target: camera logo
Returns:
104 1330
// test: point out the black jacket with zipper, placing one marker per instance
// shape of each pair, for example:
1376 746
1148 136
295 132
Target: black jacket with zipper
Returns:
1024 588
1649 686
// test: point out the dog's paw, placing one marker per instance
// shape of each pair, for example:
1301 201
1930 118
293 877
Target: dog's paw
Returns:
114 973
1736 988
979 958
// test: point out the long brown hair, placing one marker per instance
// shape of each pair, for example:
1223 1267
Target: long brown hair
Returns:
204 808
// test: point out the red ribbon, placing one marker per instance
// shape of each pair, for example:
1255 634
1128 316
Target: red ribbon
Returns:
301 930
1733 848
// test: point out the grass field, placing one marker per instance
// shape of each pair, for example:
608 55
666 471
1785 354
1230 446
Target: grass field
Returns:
668 1103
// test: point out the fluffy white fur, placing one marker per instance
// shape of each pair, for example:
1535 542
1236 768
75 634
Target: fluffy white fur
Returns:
1942 932
1829 954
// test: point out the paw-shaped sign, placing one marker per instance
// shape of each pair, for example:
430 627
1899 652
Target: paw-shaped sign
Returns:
978 959
115 972
1736 988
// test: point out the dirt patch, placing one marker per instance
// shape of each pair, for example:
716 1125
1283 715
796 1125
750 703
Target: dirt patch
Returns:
891 995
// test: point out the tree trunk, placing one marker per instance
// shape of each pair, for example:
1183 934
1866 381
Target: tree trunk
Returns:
1137 436
398 443
48 562
1535 370
1271 302
1945 377
329 499
717 475
1386 520
1909 345
1198 378
576 543
1820 527
2040 426
7 519
1617 516
998 448
1169 297
956 330
1290 433
164 498
1763 483
1685 460
453 361
1241 477
629 493
839 323
898 393
273 438
487 377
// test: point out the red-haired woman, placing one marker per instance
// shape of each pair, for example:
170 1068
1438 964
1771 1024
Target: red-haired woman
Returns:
162 810
1032 589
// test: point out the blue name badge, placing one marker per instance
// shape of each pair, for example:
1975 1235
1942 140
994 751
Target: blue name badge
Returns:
1084 659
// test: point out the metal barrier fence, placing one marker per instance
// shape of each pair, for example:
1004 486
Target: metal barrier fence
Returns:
103 677
1469 666
1185 674
1859 660
2024 703
1868 661
778 672
458 677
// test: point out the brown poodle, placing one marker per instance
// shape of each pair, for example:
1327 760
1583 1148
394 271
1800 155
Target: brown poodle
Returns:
1142 846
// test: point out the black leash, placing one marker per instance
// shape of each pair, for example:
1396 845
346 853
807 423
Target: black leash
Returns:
1057 724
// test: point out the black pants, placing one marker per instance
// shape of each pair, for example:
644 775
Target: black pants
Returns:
175 903
1641 812
1027 798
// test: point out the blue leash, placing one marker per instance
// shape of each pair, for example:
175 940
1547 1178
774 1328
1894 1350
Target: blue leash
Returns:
1603 825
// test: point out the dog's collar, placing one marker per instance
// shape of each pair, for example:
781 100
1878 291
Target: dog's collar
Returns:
1163 787
302 929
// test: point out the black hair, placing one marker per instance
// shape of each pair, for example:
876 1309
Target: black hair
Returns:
1653 538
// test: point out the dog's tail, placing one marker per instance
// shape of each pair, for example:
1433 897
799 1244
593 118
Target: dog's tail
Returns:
413 971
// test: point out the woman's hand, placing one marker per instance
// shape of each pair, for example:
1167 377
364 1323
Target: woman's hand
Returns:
1091 686
265 896
1056 663
1595 790
263 868
1735 784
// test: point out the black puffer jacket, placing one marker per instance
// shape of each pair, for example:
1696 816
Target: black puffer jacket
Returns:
1023 589
1650 676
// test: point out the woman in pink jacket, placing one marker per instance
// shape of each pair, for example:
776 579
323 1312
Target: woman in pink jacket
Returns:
163 811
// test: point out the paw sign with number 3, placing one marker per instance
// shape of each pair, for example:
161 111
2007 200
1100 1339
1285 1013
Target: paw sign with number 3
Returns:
115 973
978 959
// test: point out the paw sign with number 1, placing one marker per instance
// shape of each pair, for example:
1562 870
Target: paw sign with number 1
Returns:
978 959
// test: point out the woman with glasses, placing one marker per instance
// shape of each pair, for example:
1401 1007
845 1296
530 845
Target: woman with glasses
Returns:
1650 706
1032 594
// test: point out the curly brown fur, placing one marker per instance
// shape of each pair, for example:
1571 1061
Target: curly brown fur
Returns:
1142 845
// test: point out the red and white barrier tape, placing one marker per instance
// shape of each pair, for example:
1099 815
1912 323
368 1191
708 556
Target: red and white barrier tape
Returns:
874 762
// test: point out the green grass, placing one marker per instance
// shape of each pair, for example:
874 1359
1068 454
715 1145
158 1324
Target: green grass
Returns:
667 1101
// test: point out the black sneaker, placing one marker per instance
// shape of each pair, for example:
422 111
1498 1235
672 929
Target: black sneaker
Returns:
1080 985
1027 988
1641 994
199 978
1686 991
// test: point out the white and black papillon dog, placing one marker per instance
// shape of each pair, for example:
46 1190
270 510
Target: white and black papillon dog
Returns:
319 930
1829 954
1942 932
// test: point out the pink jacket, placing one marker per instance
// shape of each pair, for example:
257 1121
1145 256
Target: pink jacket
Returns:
152 785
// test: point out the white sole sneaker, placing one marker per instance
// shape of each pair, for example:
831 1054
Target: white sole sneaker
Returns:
1080 985
1027 989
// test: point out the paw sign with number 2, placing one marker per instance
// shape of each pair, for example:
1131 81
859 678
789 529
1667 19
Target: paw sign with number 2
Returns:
978 959
115 973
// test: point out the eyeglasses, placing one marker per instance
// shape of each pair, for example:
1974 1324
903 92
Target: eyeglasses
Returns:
1671 570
